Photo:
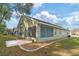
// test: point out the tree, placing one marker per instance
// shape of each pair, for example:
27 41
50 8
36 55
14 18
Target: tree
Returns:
2 28
5 12
24 8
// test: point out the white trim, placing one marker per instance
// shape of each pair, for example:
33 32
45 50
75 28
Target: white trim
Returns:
51 25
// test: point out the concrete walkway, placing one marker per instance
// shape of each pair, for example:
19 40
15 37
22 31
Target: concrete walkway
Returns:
16 42
74 36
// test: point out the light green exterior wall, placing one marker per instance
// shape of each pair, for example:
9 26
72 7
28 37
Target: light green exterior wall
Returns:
26 23
56 35
37 32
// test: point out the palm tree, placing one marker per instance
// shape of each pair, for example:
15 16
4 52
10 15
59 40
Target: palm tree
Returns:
5 12
24 8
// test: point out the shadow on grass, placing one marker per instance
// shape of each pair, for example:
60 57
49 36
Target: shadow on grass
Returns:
3 49
69 46
66 47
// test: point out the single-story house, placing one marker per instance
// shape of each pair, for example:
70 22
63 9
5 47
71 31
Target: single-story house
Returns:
32 28
75 32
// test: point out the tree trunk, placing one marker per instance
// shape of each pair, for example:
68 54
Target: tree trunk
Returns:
1 21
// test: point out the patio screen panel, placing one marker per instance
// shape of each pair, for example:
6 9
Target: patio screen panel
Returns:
46 31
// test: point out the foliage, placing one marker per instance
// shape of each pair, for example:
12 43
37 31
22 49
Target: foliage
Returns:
3 49
5 12
2 28
24 8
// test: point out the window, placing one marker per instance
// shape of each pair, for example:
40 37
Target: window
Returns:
55 32
32 31
46 31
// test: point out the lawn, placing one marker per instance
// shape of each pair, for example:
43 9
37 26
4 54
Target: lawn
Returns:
3 49
69 46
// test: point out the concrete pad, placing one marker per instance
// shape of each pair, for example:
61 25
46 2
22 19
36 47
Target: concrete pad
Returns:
74 36
16 42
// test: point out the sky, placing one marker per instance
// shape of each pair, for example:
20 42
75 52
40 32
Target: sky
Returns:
62 14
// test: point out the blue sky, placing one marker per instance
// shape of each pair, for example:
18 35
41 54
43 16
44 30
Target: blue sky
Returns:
63 14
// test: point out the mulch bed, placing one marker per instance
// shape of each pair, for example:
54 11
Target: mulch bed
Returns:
35 45
31 46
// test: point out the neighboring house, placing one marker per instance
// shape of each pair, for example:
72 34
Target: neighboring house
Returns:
8 31
75 32
31 28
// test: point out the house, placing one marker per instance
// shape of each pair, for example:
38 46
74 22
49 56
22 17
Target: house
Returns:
75 32
38 30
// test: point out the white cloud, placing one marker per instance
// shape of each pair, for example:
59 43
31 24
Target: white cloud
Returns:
13 21
69 21
45 13
73 19
73 4
36 5
52 18
46 16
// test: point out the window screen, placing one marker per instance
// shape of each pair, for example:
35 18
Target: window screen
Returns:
46 31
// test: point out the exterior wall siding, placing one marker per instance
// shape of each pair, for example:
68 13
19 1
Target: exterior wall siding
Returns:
45 33
57 34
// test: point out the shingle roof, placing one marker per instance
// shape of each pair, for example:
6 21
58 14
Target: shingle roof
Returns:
47 23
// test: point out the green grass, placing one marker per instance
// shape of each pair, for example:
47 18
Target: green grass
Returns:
68 43
3 49
4 38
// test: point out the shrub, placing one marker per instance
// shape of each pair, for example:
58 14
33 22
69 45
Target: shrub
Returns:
2 28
